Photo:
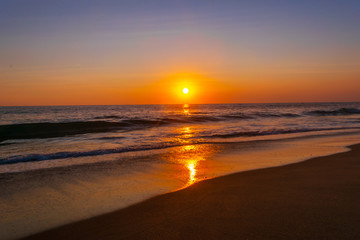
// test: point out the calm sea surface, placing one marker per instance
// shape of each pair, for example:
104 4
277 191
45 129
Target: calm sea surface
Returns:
51 133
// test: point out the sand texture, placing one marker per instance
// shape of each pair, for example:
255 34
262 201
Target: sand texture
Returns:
315 199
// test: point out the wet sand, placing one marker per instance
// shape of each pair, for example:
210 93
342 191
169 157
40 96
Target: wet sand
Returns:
315 199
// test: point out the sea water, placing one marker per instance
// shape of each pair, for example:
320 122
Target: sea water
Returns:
33 134
60 164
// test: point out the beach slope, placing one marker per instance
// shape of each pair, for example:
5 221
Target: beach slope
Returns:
315 199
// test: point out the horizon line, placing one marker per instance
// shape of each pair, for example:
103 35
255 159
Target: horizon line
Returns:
149 104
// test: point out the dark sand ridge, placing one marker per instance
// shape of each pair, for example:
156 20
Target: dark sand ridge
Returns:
315 199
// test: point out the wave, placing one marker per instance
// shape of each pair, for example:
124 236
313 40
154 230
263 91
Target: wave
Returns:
65 155
337 112
109 117
203 119
51 130
266 115
110 138
238 116
273 132
115 123
76 154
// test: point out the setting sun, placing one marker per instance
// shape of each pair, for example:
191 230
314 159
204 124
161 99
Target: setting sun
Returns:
185 90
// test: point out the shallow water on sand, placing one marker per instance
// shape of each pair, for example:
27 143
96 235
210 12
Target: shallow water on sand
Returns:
32 201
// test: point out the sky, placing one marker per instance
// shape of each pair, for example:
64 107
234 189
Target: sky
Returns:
99 52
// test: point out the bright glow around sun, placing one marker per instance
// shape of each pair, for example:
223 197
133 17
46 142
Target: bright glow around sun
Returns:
185 90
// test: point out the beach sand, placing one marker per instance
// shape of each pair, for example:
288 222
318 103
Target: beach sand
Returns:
315 199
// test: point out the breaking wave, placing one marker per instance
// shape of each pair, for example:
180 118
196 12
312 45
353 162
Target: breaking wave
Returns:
76 154
108 123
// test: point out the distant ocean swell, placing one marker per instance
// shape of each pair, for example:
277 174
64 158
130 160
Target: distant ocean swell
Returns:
338 112
50 129
64 155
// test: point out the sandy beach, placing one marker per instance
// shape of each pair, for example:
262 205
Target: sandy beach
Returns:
315 199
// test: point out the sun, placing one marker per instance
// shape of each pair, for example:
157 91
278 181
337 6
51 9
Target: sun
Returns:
185 90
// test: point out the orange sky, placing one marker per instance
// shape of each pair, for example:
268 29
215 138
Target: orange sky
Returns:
168 90
131 53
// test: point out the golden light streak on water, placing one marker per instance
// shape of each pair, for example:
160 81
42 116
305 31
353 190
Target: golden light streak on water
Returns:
186 109
192 171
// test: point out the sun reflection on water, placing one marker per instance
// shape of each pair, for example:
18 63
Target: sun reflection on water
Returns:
191 161
191 158
186 109
188 160
192 172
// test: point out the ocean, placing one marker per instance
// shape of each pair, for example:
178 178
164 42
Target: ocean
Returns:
50 133
60 164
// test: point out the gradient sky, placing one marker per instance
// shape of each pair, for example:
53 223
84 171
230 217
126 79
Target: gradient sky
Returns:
139 52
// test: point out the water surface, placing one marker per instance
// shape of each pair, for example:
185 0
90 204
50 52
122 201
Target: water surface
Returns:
63 164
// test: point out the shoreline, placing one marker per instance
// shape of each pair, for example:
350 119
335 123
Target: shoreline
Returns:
296 201
14 169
